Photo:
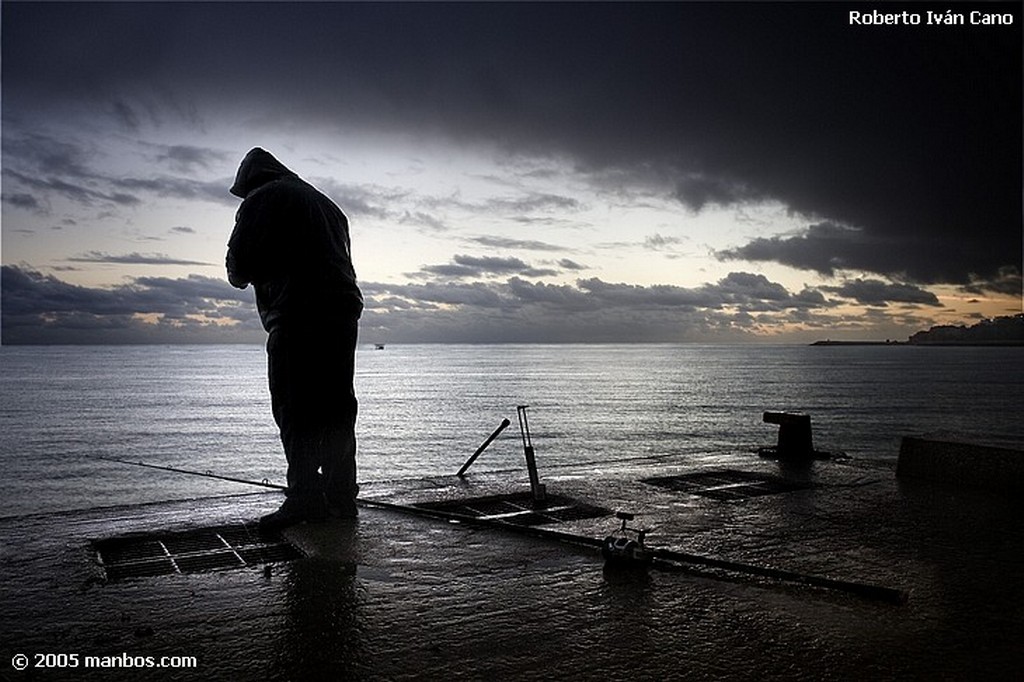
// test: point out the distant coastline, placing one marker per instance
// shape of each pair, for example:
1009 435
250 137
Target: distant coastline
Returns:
1001 344
830 342
999 331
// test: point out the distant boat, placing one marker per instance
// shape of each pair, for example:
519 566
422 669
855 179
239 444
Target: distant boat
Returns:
378 346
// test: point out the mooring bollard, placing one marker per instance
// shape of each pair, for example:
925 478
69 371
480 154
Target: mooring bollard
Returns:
795 442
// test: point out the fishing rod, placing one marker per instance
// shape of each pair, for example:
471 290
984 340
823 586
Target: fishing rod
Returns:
865 590
659 558
654 557
207 474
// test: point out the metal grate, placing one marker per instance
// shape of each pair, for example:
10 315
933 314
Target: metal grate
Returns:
519 509
193 551
727 484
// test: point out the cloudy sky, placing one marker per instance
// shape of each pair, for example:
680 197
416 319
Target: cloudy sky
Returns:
518 172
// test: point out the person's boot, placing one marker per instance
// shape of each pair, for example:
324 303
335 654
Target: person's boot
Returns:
294 511
342 508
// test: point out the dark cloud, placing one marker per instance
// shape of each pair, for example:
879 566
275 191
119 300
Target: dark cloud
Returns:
873 292
45 155
743 291
178 187
22 200
911 136
652 242
525 206
432 222
699 190
77 192
30 292
567 264
591 310
744 286
751 292
132 259
531 202
125 115
1007 281
658 242
463 266
510 243
829 249
44 309
194 294
364 200
188 157
902 143
824 248
48 166
636 297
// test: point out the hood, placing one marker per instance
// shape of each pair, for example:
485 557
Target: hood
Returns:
257 169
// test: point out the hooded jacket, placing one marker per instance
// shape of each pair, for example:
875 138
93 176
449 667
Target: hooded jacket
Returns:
291 243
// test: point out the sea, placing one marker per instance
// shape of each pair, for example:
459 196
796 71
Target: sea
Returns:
67 411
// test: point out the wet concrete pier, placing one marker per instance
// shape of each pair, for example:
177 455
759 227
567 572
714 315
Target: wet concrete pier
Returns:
400 595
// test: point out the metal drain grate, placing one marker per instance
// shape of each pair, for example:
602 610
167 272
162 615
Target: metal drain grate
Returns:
193 551
728 484
519 509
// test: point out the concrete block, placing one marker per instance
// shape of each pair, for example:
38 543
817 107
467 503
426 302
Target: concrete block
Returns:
795 440
961 464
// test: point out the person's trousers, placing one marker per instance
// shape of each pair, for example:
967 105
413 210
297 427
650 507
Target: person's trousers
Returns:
312 395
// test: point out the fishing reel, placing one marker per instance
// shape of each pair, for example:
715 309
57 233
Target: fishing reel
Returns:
626 546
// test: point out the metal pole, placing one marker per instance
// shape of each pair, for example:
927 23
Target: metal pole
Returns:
472 458
539 492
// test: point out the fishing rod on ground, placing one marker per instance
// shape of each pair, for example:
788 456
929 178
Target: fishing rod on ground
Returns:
265 483
615 550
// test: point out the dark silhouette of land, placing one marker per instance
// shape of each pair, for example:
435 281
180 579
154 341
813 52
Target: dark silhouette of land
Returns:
887 342
998 331
1002 331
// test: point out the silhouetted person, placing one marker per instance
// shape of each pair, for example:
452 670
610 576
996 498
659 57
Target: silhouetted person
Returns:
292 243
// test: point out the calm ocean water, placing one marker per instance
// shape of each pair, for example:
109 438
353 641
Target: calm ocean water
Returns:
425 409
